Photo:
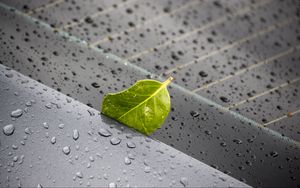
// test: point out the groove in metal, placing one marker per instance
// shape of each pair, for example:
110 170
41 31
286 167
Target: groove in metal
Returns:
263 62
155 18
204 27
234 44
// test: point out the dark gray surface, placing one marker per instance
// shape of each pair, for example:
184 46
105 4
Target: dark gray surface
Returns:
168 28
162 35
215 137
26 5
34 155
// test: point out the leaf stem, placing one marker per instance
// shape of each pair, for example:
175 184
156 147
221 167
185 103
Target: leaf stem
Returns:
168 81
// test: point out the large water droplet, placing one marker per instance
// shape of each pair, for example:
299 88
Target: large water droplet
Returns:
79 174
45 125
184 181
127 161
28 104
147 169
130 144
53 140
104 132
8 129
66 150
15 159
112 185
61 126
75 134
39 186
224 99
16 113
115 141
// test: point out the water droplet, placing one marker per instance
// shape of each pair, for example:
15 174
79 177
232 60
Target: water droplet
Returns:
75 134
223 178
147 169
48 105
53 140
66 150
194 113
273 153
223 144
61 126
203 74
104 132
28 104
95 85
27 130
224 99
127 161
130 156
14 147
91 112
130 144
45 125
115 141
112 185
79 174
39 186
147 139
15 159
16 113
237 141
184 181
8 129
91 158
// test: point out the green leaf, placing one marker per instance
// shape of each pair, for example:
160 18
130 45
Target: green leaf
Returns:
144 106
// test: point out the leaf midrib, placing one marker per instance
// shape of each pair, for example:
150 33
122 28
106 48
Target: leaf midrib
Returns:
163 85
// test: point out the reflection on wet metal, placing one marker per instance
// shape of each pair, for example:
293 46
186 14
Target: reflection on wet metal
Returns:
265 92
235 43
109 9
151 20
204 27
44 7
266 61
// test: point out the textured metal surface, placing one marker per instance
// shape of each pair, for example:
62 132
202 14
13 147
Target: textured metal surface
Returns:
248 152
198 42
34 153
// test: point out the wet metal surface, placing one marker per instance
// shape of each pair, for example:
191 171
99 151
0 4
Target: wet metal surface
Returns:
56 142
243 55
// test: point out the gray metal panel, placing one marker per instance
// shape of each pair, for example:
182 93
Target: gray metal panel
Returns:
26 5
74 11
288 126
212 35
34 153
